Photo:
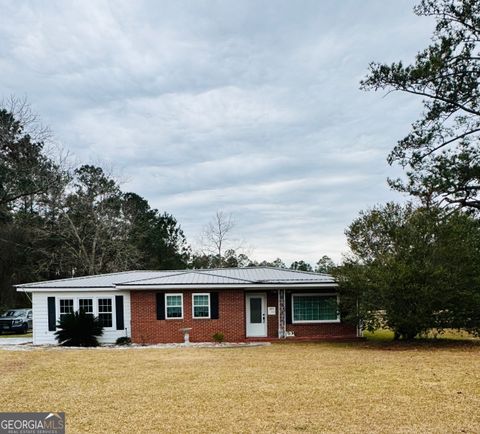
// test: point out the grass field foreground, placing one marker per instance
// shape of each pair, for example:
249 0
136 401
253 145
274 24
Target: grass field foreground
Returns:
385 335
348 388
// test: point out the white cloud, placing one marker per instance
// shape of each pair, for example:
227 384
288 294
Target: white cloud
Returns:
244 106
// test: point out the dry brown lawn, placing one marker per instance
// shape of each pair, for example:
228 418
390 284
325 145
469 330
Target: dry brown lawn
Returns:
357 388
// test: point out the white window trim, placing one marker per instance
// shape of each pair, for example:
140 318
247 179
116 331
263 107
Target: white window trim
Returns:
320 321
209 306
166 305
76 306
87 298
60 299
97 313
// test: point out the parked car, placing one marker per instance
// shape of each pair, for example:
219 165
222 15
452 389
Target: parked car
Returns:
16 320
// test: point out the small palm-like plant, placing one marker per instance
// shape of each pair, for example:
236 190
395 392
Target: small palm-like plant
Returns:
78 329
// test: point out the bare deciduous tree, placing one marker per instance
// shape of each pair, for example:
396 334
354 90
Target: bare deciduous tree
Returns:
218 248
216 234
22 111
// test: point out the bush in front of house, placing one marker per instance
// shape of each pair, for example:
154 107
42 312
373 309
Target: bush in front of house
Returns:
412 270
124 340
218 337
78 329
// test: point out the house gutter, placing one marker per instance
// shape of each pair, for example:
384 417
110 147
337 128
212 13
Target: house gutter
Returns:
120 287
222 286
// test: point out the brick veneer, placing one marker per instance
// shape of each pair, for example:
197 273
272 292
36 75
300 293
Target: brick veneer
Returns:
323 330
147 329
272 320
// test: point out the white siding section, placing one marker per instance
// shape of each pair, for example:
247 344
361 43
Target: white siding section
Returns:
42 336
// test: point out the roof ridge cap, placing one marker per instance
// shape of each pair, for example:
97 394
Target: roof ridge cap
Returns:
178 273
228 277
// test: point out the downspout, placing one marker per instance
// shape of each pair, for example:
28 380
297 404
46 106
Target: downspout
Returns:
359 322
281 314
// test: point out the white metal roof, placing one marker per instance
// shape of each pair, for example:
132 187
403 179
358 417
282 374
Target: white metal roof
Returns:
220 277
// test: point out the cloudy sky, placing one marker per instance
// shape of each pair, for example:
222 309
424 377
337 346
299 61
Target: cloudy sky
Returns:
250 107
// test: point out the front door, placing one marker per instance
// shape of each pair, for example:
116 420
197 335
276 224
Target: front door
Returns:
256 315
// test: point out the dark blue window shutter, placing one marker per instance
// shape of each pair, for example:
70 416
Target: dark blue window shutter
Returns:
119 312
214 305
288 307
160 305
52 317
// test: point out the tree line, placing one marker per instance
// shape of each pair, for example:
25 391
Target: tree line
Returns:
58 222
410 267
415 267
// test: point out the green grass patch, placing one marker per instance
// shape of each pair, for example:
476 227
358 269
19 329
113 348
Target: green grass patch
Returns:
386 335
380 335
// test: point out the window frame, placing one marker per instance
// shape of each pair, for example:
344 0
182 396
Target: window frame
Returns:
112 306
76 306
316 321
60 313
209 305
181 306
93 305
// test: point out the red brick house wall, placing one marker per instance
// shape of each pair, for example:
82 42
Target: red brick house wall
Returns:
231 322
147 329
272 320
323 330
326 330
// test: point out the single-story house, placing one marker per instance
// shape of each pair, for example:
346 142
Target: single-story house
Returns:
258 303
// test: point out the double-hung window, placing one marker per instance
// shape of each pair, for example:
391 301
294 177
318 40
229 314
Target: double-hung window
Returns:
99 307
105 311
201 305
85 305
66 307
173 306
315 308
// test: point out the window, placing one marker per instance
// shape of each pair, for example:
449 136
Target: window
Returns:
66 307
174 306
201 305
105 311
85 304
315 308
